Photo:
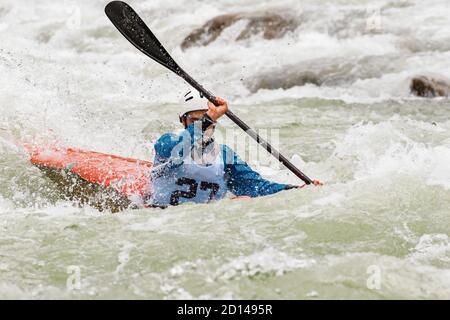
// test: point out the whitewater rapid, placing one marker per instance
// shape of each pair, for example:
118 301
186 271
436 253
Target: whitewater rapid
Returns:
337 91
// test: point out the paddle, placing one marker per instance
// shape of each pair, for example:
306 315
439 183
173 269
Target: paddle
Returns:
127 21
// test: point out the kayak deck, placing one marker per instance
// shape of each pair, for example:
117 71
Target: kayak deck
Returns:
101 180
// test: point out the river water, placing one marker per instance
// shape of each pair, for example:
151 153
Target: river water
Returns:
335 91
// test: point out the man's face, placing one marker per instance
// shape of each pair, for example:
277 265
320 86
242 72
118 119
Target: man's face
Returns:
192 116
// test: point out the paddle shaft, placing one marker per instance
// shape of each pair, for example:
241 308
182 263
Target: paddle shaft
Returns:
241 124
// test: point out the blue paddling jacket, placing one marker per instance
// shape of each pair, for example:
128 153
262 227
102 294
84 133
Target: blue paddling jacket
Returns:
176 179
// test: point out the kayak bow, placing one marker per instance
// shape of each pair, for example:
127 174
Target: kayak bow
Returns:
101 180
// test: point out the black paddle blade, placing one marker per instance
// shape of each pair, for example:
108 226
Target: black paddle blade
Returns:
131 26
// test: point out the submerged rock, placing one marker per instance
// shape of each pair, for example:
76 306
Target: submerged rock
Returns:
321 72
430 86
269 25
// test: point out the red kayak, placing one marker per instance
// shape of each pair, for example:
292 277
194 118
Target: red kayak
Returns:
102 180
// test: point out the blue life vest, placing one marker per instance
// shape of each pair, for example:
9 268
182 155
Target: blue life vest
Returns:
190 182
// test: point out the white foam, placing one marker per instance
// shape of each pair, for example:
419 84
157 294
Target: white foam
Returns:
432 247
378 150
267 261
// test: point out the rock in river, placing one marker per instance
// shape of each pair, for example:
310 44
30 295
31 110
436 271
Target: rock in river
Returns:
269 25
430 86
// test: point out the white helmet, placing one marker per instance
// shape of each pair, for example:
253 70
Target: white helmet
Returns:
190 102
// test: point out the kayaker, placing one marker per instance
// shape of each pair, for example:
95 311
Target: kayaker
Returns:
192 167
